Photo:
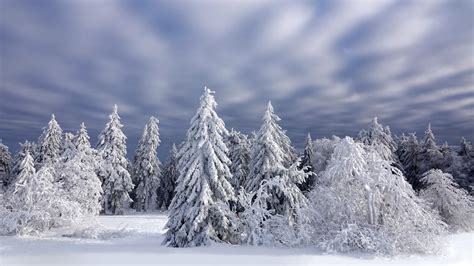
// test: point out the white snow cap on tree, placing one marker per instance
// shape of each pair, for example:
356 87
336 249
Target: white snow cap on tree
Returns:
362 203
146 168
199 210
271 151
453 203
116 181
50 144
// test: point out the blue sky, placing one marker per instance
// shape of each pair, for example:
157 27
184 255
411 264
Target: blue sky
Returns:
327 66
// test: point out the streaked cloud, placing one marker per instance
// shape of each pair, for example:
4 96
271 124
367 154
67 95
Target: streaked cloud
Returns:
328 66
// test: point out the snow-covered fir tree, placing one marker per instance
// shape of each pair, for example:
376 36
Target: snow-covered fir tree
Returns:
69 148
465 147
168 178
199 212
116 181
50 144
363 203
430 156
6 164
146 168
380 139
408 154
20 155
453 203
76 174
307 164
271 151
239 154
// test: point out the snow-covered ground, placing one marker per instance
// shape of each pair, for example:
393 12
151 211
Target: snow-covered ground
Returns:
136 239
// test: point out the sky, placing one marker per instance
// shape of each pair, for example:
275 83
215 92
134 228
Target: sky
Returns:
328 67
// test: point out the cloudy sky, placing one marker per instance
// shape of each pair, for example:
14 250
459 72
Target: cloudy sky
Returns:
327 66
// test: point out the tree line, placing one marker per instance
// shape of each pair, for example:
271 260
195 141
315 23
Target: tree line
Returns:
376 193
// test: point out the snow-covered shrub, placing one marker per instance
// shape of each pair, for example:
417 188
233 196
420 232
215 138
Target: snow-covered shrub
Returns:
453 203
362 203
275 213
35 203
322 151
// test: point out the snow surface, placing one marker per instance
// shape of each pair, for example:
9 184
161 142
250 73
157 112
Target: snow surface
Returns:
136 239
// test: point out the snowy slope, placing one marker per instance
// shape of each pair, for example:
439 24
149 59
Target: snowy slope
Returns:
136 239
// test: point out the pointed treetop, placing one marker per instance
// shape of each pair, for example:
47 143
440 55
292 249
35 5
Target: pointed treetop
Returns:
375 120
115 109
83 126
53 117
308 139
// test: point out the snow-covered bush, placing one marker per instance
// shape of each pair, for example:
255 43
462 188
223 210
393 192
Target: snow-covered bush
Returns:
362 203
275 213
322 151
35 203
453 203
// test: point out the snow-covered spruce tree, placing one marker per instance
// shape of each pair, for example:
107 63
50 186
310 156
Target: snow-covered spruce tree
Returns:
5 165
271 151
306 163
199 210
408 155
362 203
116 181
453 203
239 154
35 203
430 156
168 178
462 166
69 149
146 168
76 174
20 155
380 139
465 147
50 144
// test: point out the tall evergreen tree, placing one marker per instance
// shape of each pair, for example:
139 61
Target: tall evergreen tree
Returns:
239 154
50 144
5 165
199 210
20 155
465 147
116 181
307 165
146 168
409 150
430 154
380 139
168 179
271 152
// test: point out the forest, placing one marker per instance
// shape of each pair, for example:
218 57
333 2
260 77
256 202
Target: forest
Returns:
374 193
